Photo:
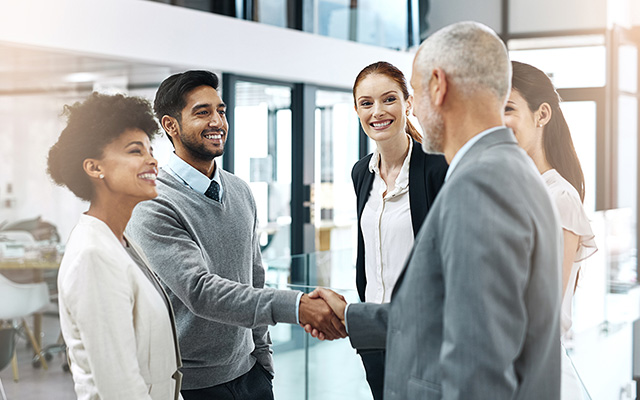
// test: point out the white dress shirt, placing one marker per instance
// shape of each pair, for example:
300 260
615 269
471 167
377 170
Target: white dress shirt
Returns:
387 231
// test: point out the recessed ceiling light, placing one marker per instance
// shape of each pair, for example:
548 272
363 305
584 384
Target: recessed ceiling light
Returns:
81 77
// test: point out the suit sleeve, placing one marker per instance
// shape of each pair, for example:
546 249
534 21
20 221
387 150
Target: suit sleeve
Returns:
367 325
486 248
101 301
178 261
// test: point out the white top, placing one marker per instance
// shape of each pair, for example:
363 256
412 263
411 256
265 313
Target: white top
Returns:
574 219
387 231
115 322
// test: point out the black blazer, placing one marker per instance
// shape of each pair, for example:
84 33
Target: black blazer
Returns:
426 176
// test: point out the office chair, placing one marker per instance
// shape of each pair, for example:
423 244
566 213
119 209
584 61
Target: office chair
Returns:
7 351
17 301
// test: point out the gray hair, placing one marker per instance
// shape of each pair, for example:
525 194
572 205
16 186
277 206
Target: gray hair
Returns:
472 56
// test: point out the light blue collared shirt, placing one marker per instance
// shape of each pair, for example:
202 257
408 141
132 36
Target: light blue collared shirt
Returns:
183 171
465 148
196 180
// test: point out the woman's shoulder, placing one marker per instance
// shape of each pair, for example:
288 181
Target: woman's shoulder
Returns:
569 206
564 195
361 167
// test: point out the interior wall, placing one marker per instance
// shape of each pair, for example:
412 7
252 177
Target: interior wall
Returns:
32 124
445 12
161 34
526 16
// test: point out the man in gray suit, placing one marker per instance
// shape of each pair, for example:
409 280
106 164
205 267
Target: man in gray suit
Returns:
476 312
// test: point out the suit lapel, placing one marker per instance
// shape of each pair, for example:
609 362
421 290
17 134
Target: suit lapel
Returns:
365 188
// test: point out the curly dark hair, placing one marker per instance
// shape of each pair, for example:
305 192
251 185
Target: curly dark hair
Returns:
91 126
171 95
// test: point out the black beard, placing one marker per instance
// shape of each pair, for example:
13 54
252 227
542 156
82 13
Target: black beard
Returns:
198 150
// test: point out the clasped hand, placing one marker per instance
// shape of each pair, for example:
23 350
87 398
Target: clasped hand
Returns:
322 314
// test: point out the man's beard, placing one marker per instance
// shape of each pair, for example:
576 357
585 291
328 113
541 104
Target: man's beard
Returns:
433 128
198 149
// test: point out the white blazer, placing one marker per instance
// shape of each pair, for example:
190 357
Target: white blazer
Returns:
120 335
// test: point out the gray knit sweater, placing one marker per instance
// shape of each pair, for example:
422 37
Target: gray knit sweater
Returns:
207 256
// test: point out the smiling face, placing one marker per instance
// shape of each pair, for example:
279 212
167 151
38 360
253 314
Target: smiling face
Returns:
381 107
522 121
202 131
128 168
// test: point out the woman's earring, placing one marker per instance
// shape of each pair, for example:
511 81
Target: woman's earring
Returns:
101 176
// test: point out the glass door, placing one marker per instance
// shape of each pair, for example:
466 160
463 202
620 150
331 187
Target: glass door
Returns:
334 214
262 158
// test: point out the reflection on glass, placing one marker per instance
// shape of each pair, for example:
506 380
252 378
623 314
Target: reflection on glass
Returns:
581 118
372 22
568 67
263 159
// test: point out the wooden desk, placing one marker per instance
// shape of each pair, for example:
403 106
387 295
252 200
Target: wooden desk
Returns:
37 268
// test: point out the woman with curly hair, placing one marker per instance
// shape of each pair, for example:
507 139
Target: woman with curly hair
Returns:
114 315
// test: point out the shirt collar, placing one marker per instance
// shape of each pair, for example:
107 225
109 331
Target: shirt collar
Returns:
190 176
465 148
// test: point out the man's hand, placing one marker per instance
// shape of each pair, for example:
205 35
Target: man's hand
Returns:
316 314
337 304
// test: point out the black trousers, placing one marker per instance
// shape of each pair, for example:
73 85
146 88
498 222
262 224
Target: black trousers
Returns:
256 384
373 361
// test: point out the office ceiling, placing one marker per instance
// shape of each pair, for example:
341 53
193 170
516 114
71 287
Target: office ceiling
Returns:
31 71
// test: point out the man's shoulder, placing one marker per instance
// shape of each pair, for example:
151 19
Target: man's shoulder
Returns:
232 183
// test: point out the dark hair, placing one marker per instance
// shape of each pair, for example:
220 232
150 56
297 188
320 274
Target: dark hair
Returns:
171 95
91 126
393 73
536 88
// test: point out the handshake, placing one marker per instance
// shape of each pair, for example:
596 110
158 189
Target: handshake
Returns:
322 314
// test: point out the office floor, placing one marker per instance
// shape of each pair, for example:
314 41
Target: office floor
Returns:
36 383
334 369
603 361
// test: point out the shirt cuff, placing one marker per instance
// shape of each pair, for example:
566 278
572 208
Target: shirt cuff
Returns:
346 325
298 308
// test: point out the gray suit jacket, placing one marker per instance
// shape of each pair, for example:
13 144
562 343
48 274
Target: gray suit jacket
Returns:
476 311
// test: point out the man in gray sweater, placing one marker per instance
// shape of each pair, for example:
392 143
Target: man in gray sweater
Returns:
200 237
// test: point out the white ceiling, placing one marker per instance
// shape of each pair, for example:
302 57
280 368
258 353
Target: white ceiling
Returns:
26 70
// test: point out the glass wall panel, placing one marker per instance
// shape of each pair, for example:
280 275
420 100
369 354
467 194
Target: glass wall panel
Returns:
263 159
366 21
627 151
271 12
336 146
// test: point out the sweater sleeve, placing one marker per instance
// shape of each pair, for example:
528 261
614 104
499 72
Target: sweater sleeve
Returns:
261 337
178 261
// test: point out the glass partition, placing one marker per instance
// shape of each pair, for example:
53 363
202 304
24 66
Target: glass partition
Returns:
262 134
306 367
336 151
